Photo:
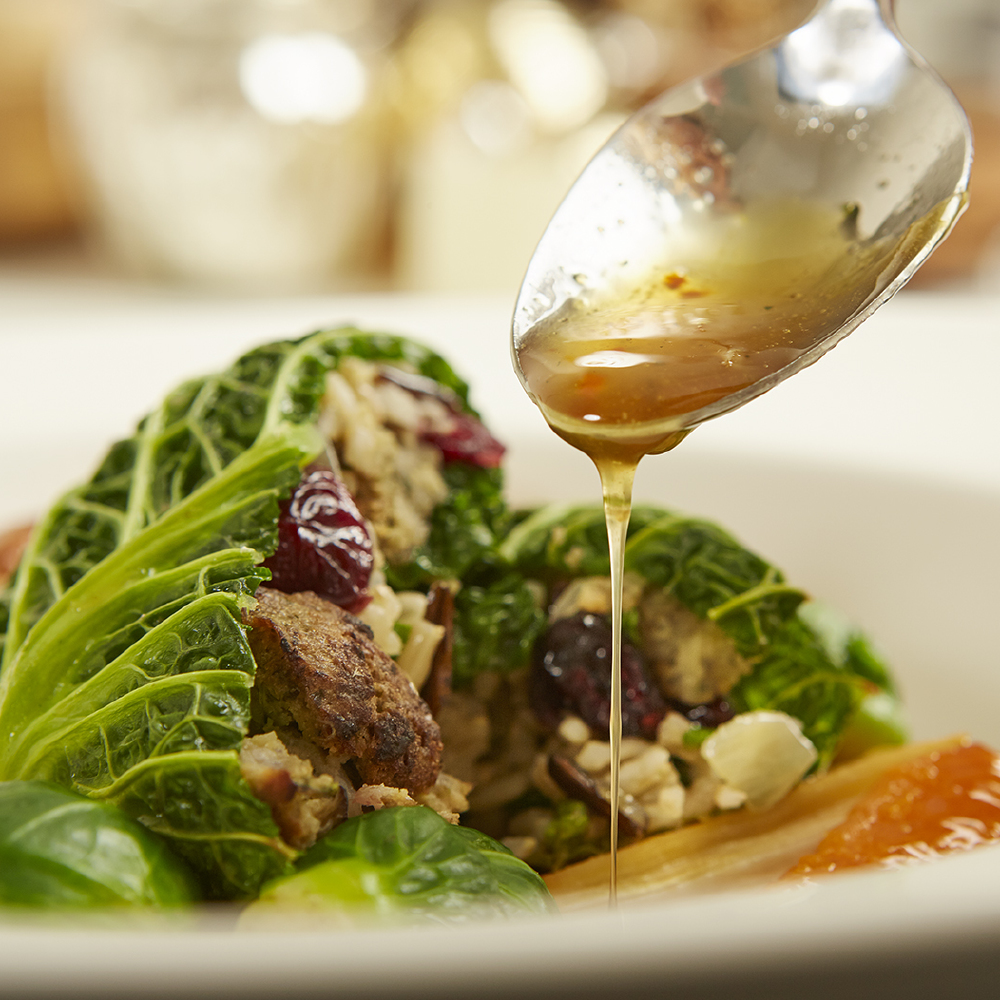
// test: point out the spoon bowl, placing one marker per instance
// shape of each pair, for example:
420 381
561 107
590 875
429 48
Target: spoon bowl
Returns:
789 195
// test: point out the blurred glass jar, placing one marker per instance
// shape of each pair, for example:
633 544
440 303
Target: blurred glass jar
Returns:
36 186
505 101
239 143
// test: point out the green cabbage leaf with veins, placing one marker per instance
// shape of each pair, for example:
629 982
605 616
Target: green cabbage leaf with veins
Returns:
126 673
804 659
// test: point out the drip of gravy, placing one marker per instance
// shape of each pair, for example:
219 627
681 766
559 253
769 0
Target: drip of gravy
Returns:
630 373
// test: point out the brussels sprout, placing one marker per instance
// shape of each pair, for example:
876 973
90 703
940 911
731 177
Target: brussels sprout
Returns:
59 849
408 863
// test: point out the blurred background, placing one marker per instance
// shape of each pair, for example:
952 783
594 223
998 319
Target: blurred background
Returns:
303 146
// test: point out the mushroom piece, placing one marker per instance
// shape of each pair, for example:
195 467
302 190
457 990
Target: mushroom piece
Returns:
577 784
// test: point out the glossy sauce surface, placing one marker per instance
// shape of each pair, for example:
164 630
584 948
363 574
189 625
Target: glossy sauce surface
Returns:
624 374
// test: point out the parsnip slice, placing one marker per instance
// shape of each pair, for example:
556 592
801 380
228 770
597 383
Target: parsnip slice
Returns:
734 849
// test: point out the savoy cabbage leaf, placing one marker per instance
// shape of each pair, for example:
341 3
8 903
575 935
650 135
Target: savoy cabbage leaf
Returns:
141 672
496 623
697 562
191 437
567 540
126 673
818 670
806 660
714 576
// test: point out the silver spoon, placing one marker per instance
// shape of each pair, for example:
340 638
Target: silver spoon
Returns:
840 114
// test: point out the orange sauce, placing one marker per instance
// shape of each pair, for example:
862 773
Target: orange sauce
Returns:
935 805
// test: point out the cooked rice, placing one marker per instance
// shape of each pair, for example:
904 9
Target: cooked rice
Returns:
394 477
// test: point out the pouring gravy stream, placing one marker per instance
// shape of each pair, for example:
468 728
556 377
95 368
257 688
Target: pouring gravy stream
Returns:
630 373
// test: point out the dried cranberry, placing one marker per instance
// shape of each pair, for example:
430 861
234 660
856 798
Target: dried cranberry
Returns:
467 441
709 715
571 671
421 385
323 544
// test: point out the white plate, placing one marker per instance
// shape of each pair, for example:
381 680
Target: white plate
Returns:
873 479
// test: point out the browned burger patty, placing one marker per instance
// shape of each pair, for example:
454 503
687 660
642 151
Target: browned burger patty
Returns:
319 670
